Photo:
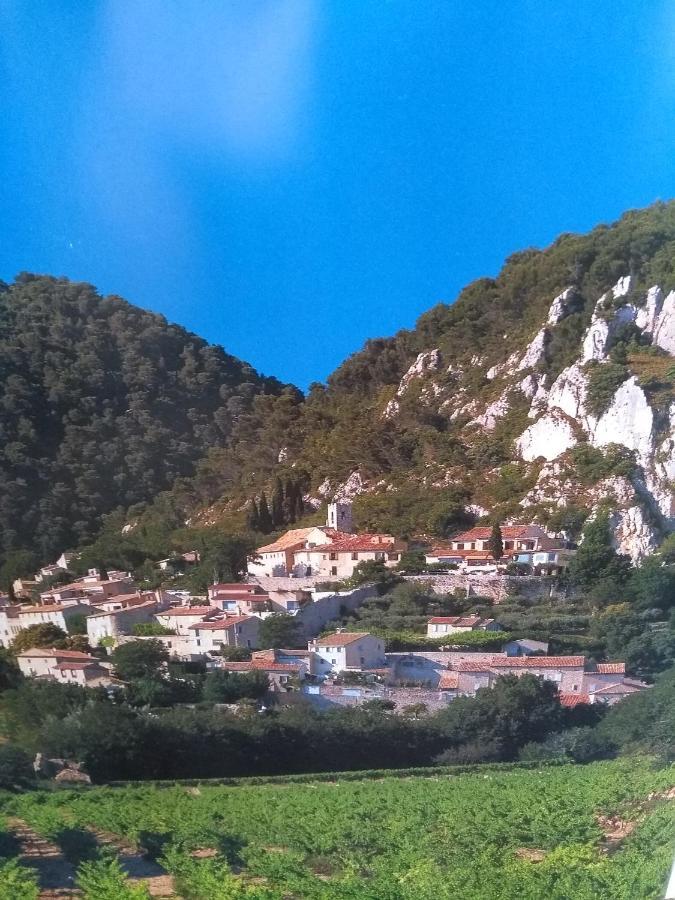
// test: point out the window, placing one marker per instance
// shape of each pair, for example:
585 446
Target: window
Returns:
392 556
333 662
333 570
333 556
355 555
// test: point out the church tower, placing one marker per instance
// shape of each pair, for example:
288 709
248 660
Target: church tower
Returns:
340 516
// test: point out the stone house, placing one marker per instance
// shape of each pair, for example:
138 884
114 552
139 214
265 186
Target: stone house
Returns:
440 625
344 651
15 618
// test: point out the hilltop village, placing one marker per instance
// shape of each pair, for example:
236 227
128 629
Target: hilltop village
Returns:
305 580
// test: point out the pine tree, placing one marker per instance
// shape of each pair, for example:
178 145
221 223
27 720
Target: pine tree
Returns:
496 544
265 523
278 503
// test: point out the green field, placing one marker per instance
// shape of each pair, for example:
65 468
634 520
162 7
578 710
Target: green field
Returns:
487 835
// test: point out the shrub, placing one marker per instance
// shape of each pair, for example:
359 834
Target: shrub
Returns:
17 882
604 379
104 879
16 769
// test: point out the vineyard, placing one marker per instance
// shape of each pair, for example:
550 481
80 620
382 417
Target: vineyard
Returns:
561 832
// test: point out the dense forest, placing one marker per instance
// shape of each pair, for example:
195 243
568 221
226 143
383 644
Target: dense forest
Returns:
103 405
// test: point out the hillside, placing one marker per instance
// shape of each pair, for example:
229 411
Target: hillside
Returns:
539 394
103 405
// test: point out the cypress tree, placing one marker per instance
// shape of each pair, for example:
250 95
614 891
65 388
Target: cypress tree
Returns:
496 544
278 503
253 516
265 523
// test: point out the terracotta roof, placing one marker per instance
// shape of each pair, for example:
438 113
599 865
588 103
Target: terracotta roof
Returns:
620 688
448 681
611 668
220 624
361 542
572 700
460 621
242 595
47 607
121 612
46 653
236 586
340 638
262 665
288 541
470 665
537 662
509 532
92 663
188 611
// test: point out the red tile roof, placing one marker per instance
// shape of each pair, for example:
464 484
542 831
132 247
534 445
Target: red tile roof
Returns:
93 663
509 532
262 665
621 687
448 681
459 621
341 638
611 668
220 624
537 662
572 700
238 586
47 653
470 665
188 611
353 543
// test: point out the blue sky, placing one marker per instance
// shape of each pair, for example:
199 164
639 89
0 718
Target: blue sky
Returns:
290 177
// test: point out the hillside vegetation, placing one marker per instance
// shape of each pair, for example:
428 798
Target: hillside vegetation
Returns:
103 405
420 467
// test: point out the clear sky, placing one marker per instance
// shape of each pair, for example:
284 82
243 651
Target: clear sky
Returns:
290 177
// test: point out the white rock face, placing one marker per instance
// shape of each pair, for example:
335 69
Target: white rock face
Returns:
494 412
505 368
647 315
351 488
530 385
477 510
622 287
548 437
535 351
628 421
568 392
427 361
633 533
664 327
323 489
559 307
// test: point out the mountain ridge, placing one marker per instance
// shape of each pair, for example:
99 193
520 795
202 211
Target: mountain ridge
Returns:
458 417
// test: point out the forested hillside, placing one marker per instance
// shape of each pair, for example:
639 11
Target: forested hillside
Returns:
102 406
432 422
540 394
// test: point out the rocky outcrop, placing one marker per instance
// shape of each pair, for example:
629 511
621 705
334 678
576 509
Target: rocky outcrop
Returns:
494 412
560 307
628 422
536 351
648 314
547 438
426 362
664 327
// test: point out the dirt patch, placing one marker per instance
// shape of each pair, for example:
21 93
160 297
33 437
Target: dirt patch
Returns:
615 831
56 876
137 866
531 854
204 853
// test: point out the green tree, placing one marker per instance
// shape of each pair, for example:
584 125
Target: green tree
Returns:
280 631
10 673
277 513
135 660
253 516
597 568
496 543
264 516
44 634
226 687
412 562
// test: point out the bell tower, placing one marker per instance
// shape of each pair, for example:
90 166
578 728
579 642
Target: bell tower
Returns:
340 516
